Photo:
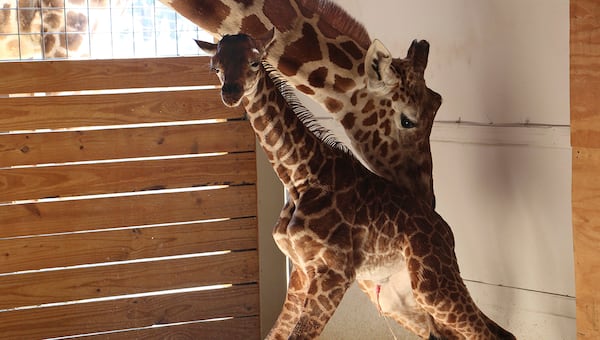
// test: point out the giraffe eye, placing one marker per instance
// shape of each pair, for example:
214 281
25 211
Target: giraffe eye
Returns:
406 123
255 64
214 69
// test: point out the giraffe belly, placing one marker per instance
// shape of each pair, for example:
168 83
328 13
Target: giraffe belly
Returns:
396 298
379 269
397 294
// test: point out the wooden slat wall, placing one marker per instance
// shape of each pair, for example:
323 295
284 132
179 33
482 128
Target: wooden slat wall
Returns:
127 213
585 139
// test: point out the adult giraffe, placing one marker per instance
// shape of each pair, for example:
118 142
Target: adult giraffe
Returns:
343 222
328 55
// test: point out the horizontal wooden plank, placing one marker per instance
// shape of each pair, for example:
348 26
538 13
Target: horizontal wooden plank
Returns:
74 75
88 179
586 238
32 289
56 112
64 250
70 146
246 328
103 213
237 301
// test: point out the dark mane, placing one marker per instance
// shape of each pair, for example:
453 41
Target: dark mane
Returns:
338 19
305 116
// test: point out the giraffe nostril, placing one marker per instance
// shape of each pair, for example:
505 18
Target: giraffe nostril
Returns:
231 88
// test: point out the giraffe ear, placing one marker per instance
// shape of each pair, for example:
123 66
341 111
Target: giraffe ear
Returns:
208 48
380 76
265 40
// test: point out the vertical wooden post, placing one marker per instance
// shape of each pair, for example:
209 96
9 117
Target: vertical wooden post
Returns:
585 139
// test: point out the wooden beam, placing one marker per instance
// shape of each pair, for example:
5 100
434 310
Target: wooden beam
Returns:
585 139
74 146
81 318
49 76
43 252
115 212
60 112
119 177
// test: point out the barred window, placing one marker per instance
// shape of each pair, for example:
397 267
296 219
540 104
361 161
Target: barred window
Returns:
96 29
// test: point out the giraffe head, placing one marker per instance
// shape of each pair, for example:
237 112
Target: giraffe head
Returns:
414 105
394 115
237 60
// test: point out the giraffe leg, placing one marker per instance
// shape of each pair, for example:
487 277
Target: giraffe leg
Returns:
324 294
441 292
460 318
279 230
295 297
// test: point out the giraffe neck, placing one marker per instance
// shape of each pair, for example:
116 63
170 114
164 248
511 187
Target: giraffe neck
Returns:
316 40
300 155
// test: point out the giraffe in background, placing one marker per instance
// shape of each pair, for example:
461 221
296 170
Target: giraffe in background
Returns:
45 29
343 222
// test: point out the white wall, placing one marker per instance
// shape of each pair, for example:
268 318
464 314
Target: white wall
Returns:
503 187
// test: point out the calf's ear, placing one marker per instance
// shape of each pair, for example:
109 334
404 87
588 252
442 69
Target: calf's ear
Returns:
206 47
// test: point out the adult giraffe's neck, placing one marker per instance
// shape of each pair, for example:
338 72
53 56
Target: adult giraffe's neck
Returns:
318 48
297 154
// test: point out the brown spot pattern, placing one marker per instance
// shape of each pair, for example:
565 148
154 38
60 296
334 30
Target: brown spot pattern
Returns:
343 85
369 106
73 41
76 21
333 105
207 14
371 120
300 52
383 150
281 14
354 99
338 57
5 19
252 25
348 120
361 69
386 127
49 42
305 89
352 49
317 77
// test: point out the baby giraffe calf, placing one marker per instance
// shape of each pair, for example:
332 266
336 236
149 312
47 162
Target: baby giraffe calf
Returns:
343 222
